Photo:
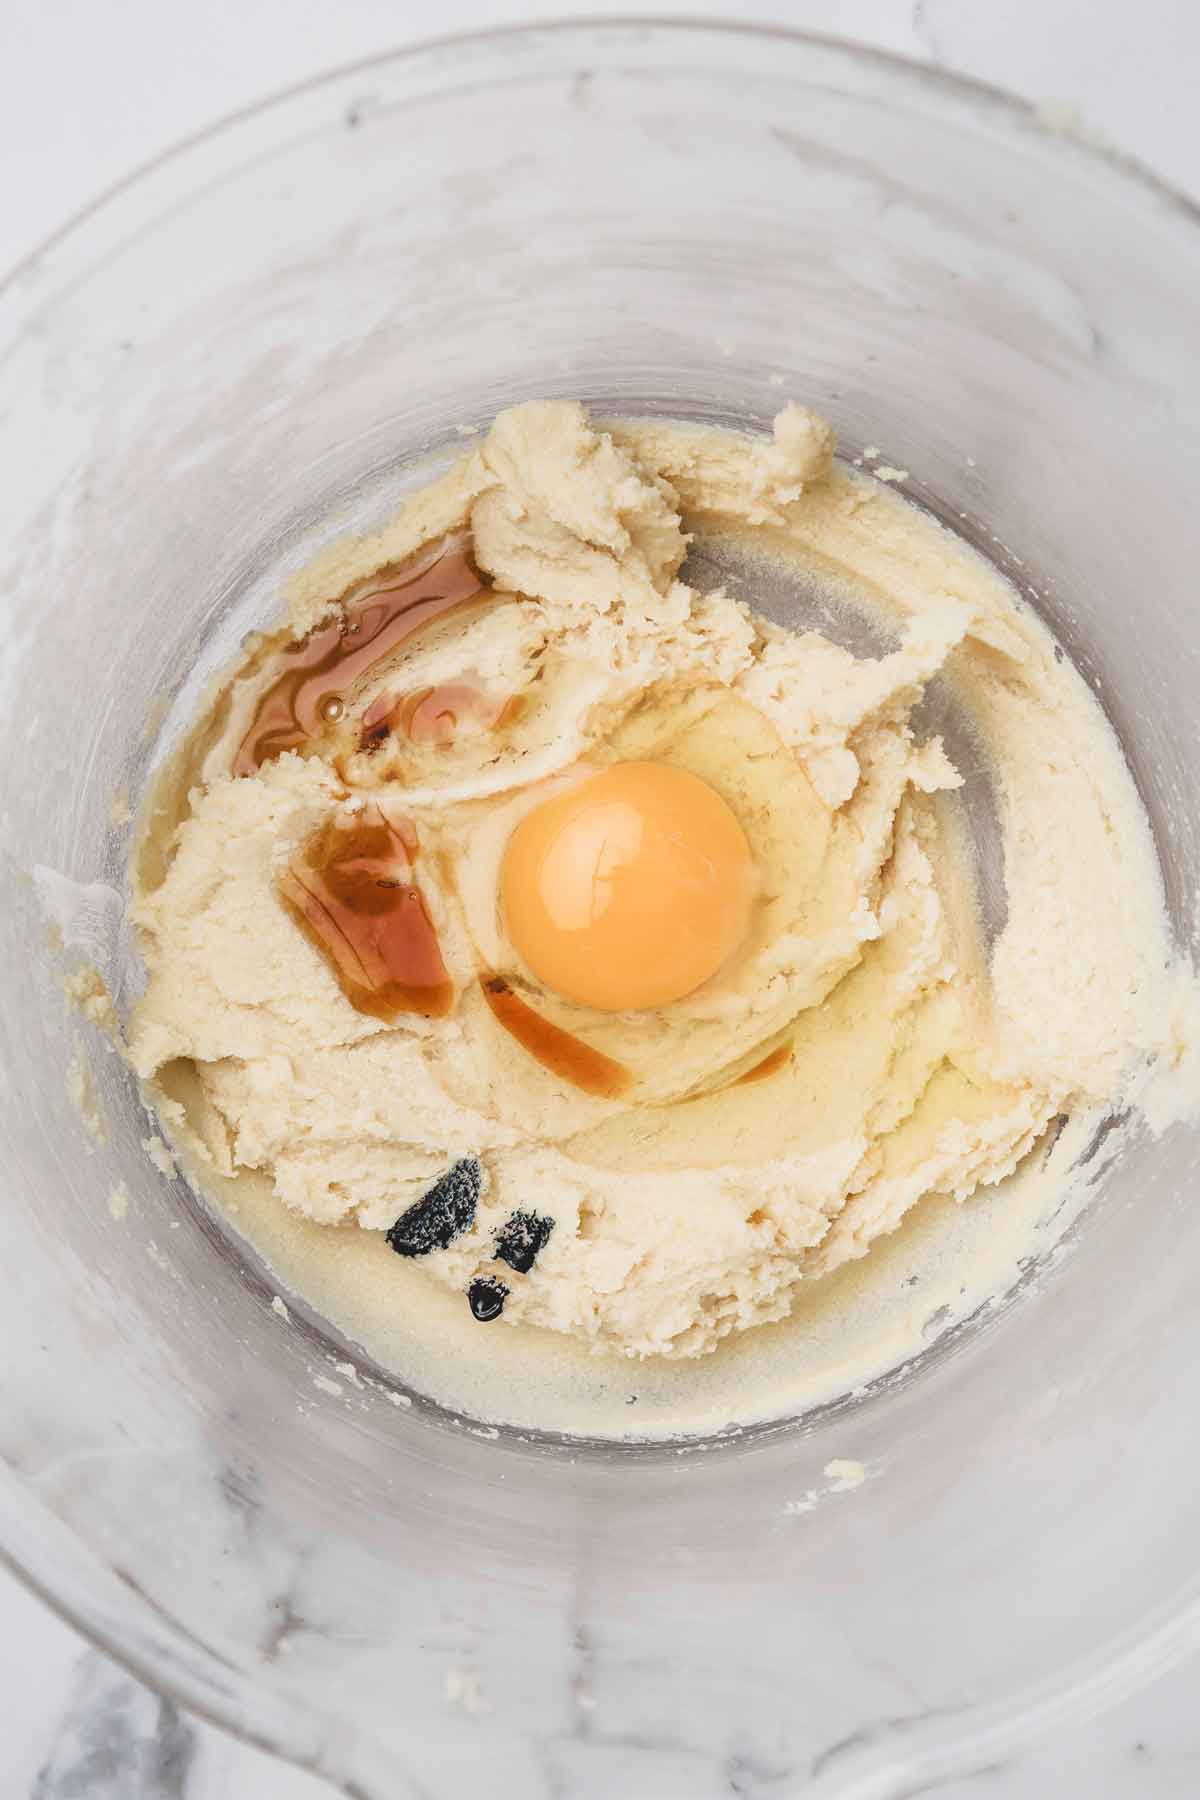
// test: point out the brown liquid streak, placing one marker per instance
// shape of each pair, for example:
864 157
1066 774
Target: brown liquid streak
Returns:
435 715
771 1064
350 892
330 660
557 1050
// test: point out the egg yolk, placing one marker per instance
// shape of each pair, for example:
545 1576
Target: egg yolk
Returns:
630 889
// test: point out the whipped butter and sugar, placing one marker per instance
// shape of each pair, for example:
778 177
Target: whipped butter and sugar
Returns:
523 1138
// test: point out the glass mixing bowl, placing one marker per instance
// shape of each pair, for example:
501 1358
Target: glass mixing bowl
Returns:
271 327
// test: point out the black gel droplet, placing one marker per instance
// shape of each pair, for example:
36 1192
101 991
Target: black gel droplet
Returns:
522 1239
442 1214
486 1297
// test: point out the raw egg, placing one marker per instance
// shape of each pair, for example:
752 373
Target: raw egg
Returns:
629 889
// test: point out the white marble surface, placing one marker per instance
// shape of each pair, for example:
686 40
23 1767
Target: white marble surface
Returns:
86 93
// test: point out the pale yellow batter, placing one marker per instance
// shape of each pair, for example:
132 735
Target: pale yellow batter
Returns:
903 1059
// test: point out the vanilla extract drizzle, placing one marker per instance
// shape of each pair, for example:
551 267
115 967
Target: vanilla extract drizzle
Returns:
319 671
350 889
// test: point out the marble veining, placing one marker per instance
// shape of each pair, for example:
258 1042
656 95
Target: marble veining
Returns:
117 1741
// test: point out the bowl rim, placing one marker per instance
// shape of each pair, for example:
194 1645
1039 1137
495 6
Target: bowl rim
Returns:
154 1648
1089 143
